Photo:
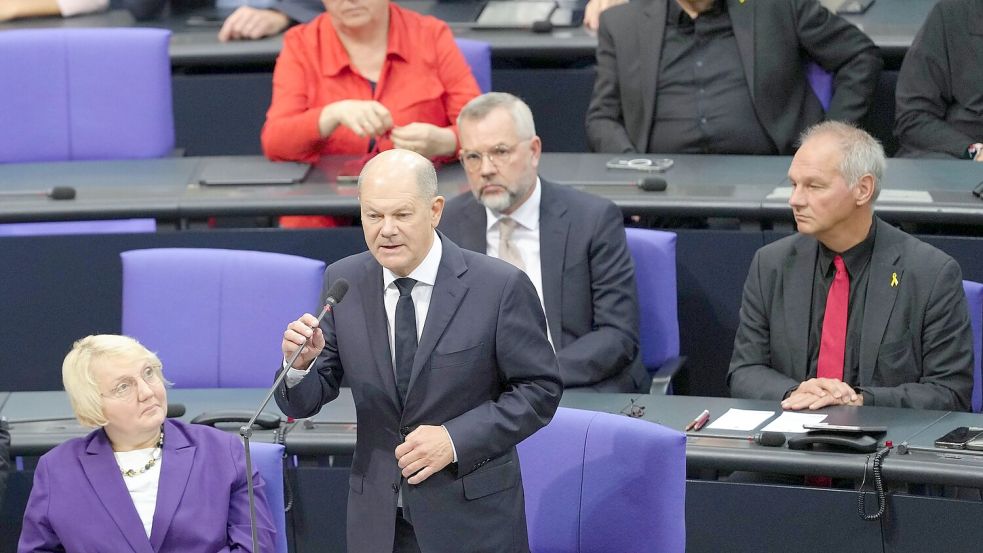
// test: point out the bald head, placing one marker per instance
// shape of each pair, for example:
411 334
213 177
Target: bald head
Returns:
397 194
393 165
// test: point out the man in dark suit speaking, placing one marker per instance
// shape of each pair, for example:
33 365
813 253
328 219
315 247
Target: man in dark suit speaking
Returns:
570 243
850 310
446 354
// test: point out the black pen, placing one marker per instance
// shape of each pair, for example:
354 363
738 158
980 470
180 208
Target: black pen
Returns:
699 422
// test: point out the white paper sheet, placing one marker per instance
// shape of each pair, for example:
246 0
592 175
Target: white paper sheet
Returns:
792 422
740 419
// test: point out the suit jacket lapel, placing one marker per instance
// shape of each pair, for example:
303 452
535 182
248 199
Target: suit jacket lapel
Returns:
885 266
797 287
554 228
742 21
374 306
175 469
104 477
448 292
651 31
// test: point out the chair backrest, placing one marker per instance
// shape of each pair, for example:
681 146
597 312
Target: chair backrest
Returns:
974 301
268 461
215 317
478 55
598 482
112 226
654 254
85 94
821 82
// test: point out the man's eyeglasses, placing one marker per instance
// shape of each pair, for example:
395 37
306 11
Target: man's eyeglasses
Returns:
127 386
499 155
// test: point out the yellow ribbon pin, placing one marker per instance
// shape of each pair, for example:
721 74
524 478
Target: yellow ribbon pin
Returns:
894 280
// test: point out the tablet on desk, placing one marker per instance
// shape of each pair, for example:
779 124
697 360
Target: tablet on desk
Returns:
244 172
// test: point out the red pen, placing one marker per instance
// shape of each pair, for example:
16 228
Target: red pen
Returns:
699 422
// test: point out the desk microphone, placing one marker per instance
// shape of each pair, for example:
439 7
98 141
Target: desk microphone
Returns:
174 410
542 26
770 439
334 296
56 193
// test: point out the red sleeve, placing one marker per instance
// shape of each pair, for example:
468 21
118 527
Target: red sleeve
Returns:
291 130
455 74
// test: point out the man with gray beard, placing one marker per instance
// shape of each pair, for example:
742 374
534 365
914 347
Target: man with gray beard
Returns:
570 243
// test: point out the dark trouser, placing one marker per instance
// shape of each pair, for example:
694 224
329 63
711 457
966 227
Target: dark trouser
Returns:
405 540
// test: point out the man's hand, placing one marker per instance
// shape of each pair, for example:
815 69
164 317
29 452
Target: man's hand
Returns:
251 23
428 140
817 393
425 451
363 117
593 9
298 331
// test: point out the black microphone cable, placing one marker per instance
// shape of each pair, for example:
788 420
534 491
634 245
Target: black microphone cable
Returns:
878 459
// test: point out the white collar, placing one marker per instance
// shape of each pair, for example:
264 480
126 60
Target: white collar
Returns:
527 214
426 271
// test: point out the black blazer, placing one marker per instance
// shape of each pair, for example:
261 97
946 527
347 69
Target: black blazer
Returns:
588 284
916 343
775 39
483 369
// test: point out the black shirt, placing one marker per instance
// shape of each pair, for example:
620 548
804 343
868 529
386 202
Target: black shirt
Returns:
702 104
857 261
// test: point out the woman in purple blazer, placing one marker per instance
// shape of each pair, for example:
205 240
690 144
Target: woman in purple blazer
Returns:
141 482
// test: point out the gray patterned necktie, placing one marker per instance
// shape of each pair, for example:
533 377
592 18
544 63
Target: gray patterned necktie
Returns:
506 247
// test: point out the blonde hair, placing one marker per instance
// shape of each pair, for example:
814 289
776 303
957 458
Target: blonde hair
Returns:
76 371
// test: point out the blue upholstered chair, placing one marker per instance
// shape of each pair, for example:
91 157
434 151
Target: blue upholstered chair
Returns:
974 300
478 55
85 94
268 460
654 254
216 317
600 483
821 83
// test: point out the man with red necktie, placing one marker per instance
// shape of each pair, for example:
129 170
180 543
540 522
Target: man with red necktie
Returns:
850 310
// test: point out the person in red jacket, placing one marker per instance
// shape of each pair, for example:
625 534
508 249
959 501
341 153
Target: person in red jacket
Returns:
367 76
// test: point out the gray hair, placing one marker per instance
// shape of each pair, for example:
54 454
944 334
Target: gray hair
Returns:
862 154
479 108
426 174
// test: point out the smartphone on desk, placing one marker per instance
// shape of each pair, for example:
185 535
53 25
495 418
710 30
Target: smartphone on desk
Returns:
958 437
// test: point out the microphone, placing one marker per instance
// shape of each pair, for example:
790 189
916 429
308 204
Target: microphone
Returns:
335 294
56 193
542 26
652 184
175 410
769 439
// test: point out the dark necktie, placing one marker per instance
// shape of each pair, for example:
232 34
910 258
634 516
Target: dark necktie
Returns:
832 346
405 335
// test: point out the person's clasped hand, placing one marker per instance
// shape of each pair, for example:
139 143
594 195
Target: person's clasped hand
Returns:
817 393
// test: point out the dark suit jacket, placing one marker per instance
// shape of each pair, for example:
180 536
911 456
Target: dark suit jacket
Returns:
483 369
940 87
79 501
588 284
916 343
772 37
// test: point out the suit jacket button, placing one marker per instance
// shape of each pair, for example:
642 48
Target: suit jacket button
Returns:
404 431
395 488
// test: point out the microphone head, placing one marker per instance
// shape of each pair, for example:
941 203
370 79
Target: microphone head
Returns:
175 410
652 184
542 26
770 439
337 291
62 193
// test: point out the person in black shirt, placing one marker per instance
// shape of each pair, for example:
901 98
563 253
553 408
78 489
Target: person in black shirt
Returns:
722 76
904 337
